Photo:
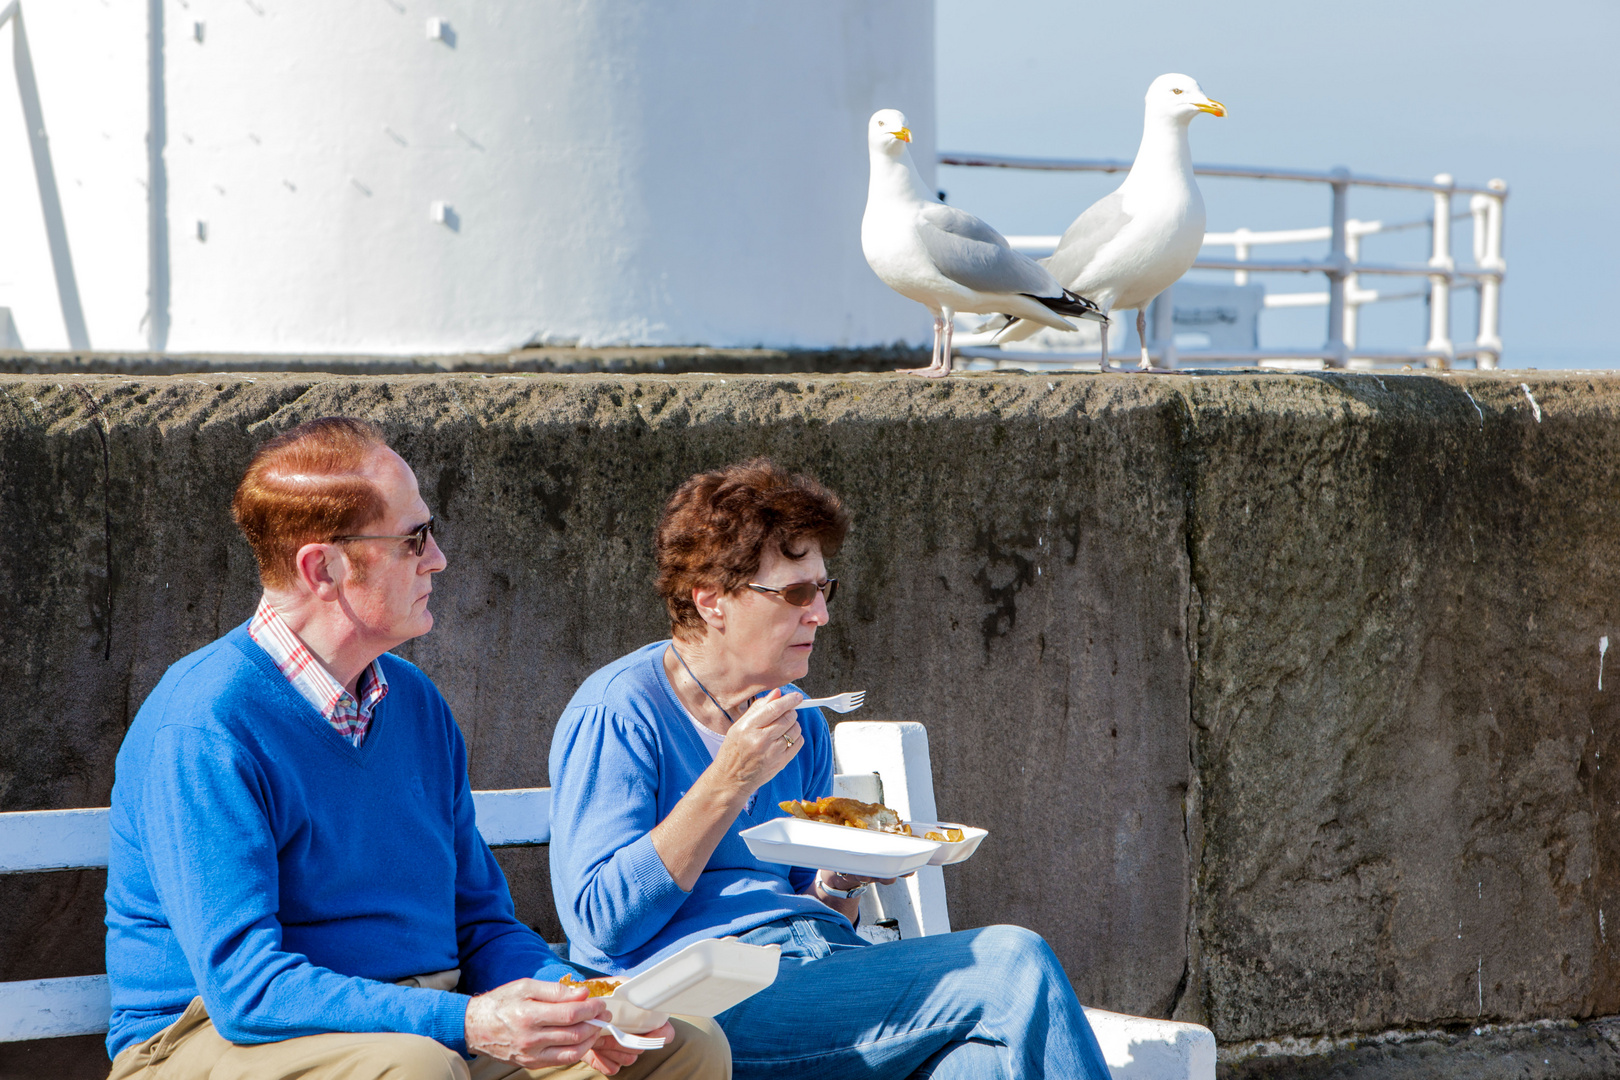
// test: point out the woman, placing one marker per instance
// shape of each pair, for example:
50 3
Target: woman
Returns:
666 754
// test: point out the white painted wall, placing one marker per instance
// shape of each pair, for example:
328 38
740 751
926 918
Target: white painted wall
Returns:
635 172
90 66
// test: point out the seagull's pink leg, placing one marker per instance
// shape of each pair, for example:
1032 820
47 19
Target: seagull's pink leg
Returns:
1105 326
1141 336
939 325
942 367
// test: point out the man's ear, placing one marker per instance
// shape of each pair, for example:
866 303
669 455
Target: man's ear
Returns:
707 600
322 569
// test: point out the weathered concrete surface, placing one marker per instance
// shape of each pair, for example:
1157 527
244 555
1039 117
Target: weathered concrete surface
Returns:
1398 728
1267 687
550 359
1565 1050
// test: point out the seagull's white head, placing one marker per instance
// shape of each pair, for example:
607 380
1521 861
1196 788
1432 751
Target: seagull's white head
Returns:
887 132
1178 97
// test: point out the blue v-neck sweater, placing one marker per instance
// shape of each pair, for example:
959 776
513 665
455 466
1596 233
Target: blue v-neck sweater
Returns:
261 860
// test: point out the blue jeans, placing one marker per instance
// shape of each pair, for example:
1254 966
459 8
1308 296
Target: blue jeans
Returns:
986 1004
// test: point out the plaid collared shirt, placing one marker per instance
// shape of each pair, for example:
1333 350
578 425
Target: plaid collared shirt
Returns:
351 718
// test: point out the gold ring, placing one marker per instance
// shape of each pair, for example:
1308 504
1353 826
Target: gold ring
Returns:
787 738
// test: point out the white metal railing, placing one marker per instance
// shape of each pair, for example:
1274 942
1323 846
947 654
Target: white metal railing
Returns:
1343 266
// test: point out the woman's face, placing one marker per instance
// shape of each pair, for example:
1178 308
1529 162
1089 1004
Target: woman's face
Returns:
765 638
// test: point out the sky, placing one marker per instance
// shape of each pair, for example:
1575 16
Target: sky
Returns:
1399 89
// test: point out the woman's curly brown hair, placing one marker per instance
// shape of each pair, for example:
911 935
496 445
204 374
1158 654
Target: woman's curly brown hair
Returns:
718 525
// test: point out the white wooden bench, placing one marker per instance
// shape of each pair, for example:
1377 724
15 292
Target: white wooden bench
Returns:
877 762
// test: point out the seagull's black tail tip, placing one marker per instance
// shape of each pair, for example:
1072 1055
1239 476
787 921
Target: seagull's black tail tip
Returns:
1073 305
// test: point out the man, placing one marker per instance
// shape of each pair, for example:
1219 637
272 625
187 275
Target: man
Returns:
296 886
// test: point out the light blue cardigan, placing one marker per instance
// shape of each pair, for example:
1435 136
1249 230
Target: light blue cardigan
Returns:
624 753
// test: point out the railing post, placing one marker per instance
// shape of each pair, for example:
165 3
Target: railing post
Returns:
1489 256
1352 284
1338 354
1163 317
1240 252
1440 283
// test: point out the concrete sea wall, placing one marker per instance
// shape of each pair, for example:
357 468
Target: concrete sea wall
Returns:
1278 694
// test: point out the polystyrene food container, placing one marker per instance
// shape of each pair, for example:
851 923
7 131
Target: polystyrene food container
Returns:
821 846
950 852
704 979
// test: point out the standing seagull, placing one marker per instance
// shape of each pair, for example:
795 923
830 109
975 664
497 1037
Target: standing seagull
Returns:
945 259
1130 246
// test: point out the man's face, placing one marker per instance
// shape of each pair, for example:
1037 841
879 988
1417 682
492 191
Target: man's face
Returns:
388 598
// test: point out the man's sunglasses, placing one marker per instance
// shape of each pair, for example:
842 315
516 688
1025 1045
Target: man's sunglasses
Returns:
417 537
803 593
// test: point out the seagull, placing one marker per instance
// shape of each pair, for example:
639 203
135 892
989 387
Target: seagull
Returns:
1130 246
947 259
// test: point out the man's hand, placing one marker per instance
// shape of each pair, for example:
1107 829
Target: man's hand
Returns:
538 1025
608 1057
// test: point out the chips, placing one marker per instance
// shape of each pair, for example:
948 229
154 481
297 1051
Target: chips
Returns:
593 987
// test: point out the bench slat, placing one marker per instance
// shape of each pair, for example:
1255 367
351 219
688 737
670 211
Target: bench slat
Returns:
53 840
516 816
54 1008
867 787
1142 1047
39 840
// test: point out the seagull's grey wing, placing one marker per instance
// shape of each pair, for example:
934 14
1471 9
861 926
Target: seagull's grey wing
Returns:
971 253
1101 222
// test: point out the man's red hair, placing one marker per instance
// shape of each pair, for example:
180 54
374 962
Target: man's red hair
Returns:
305 486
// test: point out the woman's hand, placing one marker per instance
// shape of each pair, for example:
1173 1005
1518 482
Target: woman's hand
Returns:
761 743
755 749
847 906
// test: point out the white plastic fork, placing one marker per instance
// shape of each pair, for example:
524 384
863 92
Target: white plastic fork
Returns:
847 702
627 1040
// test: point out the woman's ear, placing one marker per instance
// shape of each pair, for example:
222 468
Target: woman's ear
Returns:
706 599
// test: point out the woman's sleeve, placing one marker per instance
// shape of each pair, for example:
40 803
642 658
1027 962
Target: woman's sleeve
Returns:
611 887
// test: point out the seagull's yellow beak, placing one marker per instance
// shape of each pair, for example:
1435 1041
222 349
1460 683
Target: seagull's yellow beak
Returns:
904 134
1213 107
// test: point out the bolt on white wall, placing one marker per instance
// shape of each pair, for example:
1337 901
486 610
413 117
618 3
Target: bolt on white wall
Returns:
400 176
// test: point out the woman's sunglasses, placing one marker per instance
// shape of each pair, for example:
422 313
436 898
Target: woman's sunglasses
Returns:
803 593
417 537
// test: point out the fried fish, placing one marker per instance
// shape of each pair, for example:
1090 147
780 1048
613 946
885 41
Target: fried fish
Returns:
836 810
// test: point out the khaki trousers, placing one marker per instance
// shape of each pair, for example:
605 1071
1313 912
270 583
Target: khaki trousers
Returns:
190 1049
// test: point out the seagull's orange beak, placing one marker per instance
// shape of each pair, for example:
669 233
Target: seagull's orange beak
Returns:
1213 107
904 134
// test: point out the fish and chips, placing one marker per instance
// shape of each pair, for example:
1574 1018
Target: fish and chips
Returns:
837 810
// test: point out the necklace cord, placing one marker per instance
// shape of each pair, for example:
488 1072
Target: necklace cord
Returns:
700 685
